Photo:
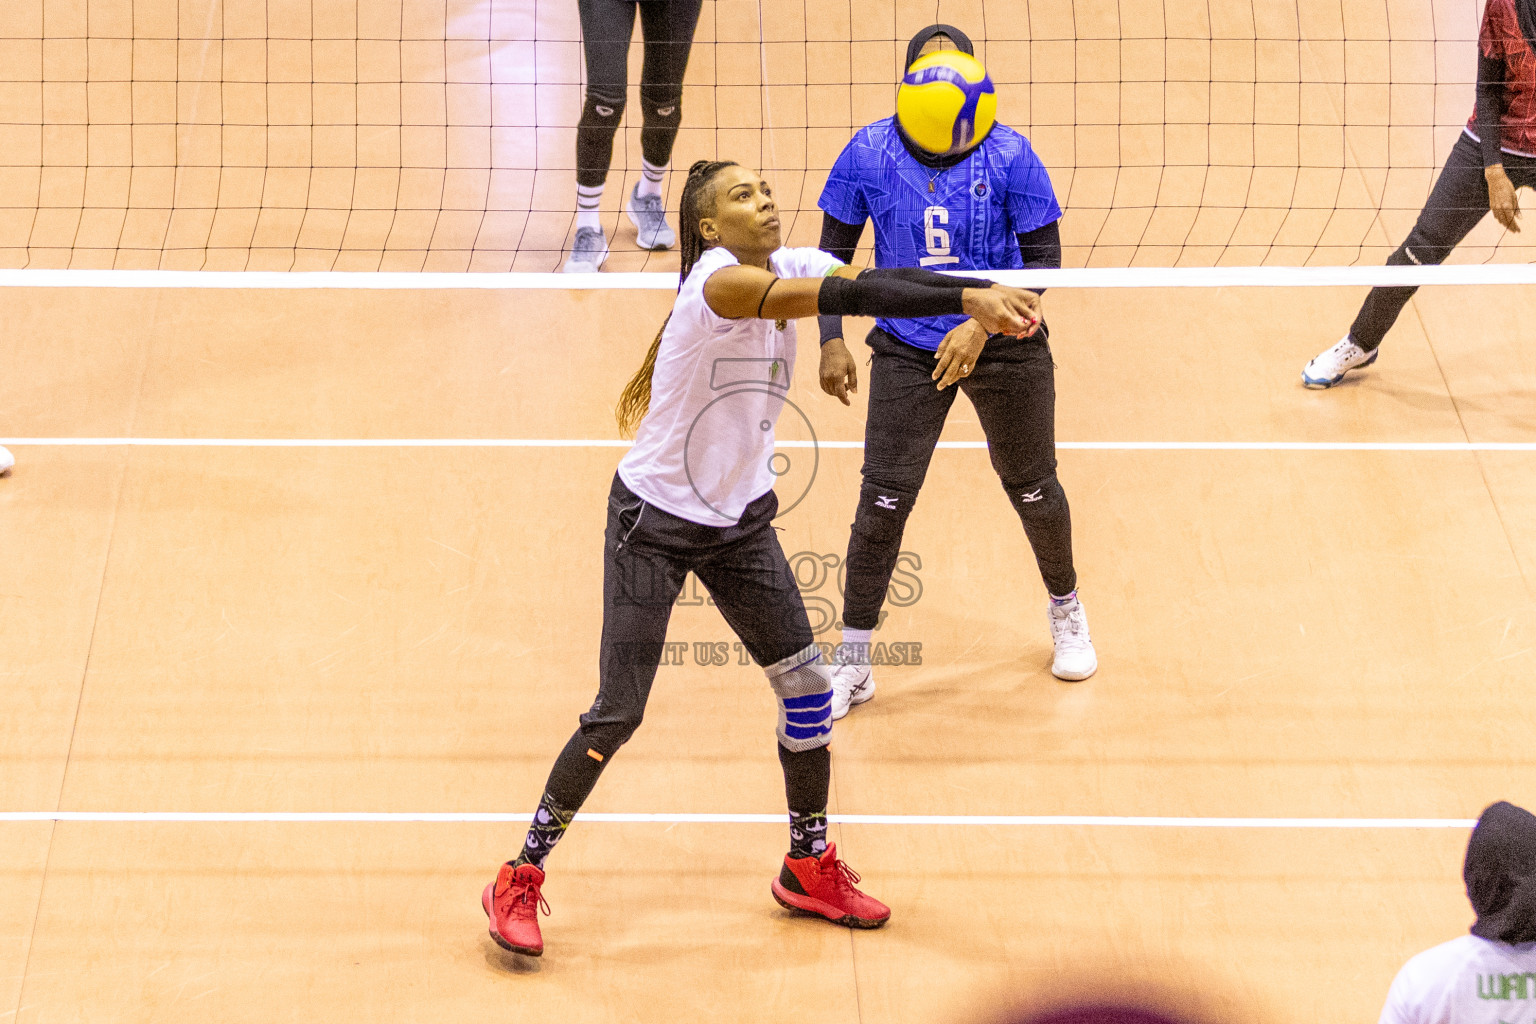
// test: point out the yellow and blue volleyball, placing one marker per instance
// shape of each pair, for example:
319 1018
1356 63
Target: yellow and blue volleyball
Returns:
946 103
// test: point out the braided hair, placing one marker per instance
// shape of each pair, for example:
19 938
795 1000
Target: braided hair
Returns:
636 397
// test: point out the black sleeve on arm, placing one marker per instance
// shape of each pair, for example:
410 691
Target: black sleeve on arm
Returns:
896 292
1490 106
840 239
917 275
1041 248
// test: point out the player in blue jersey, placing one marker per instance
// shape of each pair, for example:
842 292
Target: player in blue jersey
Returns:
988 208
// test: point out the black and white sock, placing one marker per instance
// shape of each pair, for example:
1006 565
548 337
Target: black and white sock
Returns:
650 179
588 199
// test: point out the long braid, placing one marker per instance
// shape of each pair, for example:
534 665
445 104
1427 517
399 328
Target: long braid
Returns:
635 399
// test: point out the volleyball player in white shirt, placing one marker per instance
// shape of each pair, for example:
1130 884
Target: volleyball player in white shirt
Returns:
695 494
1489 976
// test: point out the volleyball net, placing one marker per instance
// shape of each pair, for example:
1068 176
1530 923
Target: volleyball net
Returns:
439 135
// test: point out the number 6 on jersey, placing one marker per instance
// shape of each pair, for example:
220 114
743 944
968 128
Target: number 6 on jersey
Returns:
936 238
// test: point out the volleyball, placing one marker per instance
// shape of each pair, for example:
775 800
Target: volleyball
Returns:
946 103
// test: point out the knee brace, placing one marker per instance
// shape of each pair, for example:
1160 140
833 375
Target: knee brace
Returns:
661 105
1042 507
882 513
602 109
1038 500
1419 250
803 686
662 109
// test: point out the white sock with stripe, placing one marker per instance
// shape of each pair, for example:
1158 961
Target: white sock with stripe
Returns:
650 179
587 202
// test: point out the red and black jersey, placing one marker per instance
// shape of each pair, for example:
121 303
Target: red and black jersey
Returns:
1501 41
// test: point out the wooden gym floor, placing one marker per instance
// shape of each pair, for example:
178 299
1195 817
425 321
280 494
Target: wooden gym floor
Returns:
1282 633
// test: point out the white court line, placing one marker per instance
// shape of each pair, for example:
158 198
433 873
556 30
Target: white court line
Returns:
1016 820
1075 277
507 442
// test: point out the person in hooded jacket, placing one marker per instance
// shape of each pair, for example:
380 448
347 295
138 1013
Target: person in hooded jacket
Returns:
1489 975
1495 155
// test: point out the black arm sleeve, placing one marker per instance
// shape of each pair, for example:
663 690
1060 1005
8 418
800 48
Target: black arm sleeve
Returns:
896 292
1490 106
1041 248
839 239
917 275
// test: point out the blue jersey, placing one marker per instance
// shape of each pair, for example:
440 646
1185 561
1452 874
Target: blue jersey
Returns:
963 217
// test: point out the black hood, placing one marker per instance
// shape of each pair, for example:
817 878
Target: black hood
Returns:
1525 12
1501 874
961 40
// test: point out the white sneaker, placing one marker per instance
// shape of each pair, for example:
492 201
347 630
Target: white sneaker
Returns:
851 684
588 252
649 216
1330 367
7 460
1075 657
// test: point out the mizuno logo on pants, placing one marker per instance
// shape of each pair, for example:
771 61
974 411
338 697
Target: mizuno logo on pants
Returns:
1409 253
886 501
1033 495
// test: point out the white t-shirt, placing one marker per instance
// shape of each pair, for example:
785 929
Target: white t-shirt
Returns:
704 450
1469 980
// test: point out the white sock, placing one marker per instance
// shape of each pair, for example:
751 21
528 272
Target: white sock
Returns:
587 202
856 646
650 179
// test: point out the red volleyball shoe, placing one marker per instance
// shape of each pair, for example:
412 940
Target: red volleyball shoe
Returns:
512 903
824 886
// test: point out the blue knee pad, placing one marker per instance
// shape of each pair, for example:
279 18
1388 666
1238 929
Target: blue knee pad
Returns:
803 685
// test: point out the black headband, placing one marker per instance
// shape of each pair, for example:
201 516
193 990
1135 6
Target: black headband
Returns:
960 39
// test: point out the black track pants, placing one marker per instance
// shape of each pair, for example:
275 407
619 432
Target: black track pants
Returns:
1456 204
1013 388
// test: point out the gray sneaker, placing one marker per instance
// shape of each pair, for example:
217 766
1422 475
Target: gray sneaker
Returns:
649 215
588 253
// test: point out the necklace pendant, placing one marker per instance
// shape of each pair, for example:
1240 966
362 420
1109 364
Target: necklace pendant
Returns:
930 184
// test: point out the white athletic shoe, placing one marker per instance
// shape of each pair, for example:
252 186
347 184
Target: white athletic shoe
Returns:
851 684
1330 367
1075 657
649 216
7 460
588 253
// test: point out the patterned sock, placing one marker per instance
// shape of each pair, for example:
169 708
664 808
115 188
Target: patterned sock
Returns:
549 824
1065 599
650 178
587 202
807 834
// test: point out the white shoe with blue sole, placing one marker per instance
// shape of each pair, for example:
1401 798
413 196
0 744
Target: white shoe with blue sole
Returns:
1330 366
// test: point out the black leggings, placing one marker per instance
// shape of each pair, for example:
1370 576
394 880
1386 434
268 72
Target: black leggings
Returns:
606 27
1013 387
647 555
1457 203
